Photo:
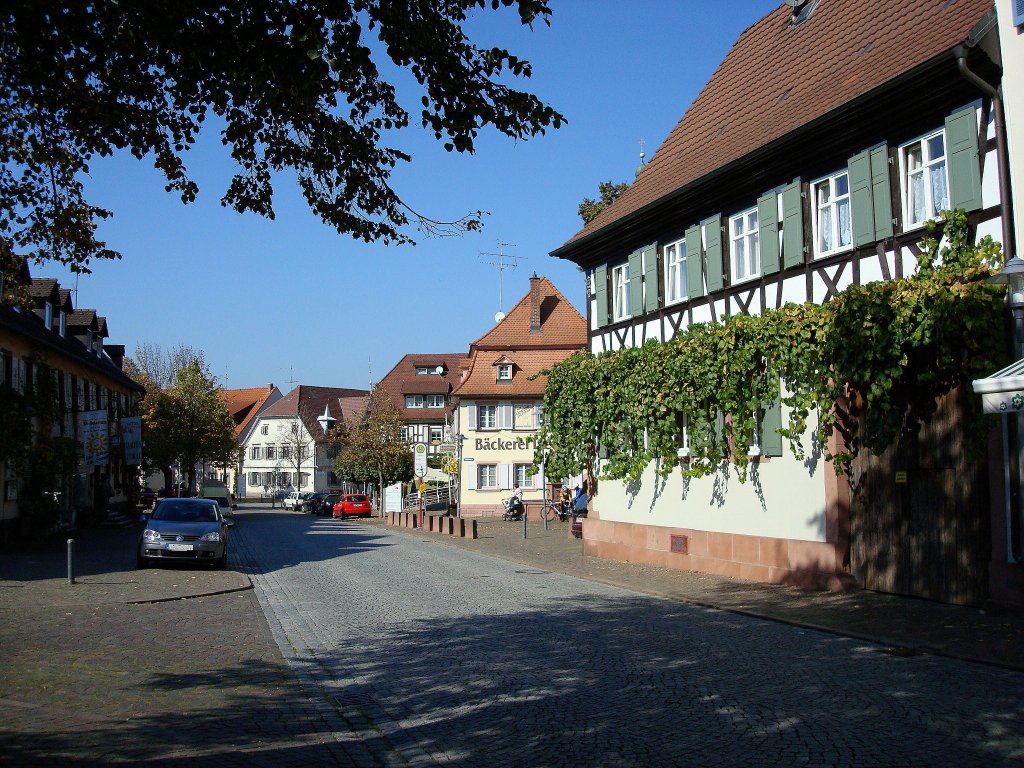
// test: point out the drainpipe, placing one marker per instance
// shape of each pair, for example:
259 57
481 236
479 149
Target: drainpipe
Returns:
1002 157
1009 249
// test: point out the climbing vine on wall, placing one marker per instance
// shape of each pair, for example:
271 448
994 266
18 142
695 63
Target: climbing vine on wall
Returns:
885 352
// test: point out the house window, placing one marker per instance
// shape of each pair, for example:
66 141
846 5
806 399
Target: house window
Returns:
422 371
925 185
487 417
254 479
271 452
833 230
48 315
414 401
505 372
63 324
745 246
435 401
264 430
255 452
522 475
487 476
436 435
286 452
404 434
675 272
620 292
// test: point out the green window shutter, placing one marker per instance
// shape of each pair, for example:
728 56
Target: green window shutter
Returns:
636 284
792 226
651 277
962 160
694 276
859 169
768 232
881 195
713 253
601 294
771 422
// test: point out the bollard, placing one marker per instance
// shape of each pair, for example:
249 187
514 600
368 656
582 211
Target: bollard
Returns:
474 534
462 529
71 561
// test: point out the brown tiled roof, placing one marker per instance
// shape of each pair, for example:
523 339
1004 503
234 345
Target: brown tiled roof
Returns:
779 77
43 288
308 403
65 300
402 380
83 318
243 404
481 380
560 324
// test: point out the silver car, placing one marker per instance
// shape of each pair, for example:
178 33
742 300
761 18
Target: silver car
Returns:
184 529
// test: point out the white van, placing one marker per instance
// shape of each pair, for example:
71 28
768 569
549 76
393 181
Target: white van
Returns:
293 500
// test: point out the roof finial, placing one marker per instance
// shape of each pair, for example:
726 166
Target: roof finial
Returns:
643 164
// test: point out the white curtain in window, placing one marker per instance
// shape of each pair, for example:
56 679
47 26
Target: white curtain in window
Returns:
825 229
917 197
940 192
845 225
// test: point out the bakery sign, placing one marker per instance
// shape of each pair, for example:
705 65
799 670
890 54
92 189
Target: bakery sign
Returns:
497 444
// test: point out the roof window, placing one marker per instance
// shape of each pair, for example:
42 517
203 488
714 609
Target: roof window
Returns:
802 9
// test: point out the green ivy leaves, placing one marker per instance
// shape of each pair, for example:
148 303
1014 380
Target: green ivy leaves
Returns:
885 352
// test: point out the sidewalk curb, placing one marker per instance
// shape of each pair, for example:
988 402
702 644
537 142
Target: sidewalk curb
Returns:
212 593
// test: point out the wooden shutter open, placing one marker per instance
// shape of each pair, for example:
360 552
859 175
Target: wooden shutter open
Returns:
713 252
601 295
694 258
792 226
651 283
962 160
768 232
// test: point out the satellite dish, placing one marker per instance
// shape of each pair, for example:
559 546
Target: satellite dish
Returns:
439 370
499 316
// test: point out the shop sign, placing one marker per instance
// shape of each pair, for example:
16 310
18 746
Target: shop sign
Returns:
497 444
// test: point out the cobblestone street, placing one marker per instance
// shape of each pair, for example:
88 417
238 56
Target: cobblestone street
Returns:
385 648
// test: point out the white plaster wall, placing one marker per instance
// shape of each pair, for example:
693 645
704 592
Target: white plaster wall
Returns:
784 498
1011 44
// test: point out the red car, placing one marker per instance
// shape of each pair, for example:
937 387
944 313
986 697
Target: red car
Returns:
353 505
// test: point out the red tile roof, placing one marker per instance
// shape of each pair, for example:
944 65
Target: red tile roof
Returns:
482 382
403 379
560 324
562 332
308 403
779 77
243 404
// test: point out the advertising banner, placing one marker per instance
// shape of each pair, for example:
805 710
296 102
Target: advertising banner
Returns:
131 434
92 426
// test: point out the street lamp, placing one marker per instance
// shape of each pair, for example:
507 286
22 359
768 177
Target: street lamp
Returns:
459 439
1012 276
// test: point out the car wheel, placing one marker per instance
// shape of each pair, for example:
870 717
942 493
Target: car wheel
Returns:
221 563
141 563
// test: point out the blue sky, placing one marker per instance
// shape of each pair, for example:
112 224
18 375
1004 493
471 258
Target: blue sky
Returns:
291 301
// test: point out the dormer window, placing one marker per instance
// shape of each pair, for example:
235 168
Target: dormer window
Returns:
88 340
505 372
48 315
62 324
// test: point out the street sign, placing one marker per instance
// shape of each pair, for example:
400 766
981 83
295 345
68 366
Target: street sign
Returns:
419 452
1003 402
448 448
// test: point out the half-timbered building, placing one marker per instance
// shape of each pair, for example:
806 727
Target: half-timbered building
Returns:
813 158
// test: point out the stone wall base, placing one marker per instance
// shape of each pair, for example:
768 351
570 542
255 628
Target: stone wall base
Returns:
753 558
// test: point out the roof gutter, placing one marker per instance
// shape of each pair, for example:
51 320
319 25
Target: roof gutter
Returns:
1005 194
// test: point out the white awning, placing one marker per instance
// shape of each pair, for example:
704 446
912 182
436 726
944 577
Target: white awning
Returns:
1003 391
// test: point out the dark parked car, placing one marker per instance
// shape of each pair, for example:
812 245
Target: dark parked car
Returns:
312 502
225 508
184 529
353 505
328 502
147 497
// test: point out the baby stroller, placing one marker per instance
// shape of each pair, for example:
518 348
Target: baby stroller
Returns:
514 509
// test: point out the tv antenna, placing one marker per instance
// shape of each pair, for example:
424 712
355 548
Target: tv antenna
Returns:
504 261
291 377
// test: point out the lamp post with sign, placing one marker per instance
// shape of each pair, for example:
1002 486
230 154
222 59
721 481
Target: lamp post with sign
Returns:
420 470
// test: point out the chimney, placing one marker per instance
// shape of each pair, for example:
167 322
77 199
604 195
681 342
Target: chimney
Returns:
534 304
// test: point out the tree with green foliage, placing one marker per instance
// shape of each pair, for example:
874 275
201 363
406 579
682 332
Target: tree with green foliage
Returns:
190 424
294 86
872 362
609 193
372 449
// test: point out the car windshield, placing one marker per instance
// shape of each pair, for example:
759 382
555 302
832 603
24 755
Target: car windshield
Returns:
177 512
357 498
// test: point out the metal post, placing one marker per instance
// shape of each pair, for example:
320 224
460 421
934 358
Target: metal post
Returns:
460 439
71 561
544 497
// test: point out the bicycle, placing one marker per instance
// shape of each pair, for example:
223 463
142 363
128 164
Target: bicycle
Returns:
559 509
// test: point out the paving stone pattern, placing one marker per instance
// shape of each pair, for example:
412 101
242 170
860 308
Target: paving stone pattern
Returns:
424 654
